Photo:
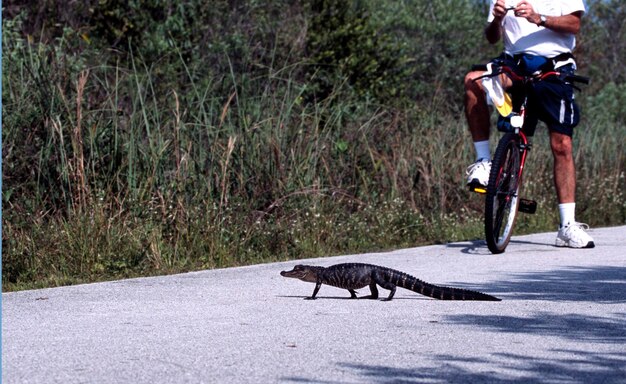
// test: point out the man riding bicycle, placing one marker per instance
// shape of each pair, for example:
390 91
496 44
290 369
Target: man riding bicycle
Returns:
539 36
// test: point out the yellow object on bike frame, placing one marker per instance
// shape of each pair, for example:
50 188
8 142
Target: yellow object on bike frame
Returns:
496 93
507 107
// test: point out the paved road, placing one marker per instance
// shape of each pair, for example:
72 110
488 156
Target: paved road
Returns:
562 319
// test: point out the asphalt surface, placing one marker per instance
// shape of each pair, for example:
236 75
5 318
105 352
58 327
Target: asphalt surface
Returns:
562 319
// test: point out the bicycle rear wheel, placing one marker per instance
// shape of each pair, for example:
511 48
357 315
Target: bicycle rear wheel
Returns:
502 198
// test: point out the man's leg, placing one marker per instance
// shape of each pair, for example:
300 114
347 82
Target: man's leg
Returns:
571 234
564 170
476 110
477 114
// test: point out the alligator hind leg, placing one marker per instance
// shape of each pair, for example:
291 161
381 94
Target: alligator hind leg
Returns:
392 291
391 287
374 291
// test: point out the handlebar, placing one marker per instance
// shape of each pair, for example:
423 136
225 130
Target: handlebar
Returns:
577 78
506 69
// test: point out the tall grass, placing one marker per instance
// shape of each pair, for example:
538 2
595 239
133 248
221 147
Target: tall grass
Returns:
114 170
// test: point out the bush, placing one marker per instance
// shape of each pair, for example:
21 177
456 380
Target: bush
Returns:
343 45
245 132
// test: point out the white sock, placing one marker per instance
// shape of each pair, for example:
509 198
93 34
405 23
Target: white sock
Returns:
567 212
482 150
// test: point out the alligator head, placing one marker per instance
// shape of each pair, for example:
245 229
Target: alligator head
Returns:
303 272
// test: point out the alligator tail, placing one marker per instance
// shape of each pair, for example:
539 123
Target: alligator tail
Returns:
414 284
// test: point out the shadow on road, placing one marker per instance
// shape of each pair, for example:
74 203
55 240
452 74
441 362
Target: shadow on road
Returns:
585 367
571 326
480 246
574 366
598 284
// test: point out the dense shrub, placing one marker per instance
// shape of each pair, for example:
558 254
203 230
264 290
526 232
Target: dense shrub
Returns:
344 45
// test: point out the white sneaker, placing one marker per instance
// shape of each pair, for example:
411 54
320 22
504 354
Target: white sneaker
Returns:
574 236
478 173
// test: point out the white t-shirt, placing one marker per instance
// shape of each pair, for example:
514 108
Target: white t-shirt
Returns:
522 36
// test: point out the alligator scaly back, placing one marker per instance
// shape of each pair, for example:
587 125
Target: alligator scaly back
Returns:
353 276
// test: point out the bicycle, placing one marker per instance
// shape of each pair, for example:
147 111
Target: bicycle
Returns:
502 195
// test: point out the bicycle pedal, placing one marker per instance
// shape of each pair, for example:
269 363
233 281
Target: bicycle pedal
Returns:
527 206
478 188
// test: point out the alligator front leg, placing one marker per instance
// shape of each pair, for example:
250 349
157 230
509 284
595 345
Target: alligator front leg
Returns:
318 285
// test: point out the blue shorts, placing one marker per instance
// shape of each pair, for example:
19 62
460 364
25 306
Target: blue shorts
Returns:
552 101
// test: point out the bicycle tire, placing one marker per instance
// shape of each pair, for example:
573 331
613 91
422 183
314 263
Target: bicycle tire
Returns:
502 199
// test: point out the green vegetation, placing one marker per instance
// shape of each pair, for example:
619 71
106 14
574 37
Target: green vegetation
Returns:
151 137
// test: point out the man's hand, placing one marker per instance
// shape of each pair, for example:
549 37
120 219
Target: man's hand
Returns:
499 10
525 10
493 32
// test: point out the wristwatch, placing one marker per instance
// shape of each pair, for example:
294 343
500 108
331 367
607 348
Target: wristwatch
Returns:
543 19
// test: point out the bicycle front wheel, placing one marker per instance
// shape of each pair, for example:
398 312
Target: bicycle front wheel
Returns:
502 198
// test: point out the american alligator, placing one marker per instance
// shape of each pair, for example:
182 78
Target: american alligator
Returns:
353 276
